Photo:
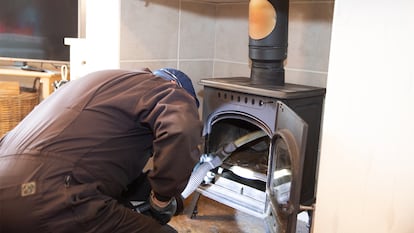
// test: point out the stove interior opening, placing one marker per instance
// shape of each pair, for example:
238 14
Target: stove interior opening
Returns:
249 162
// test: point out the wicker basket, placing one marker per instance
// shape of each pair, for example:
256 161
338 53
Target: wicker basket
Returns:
14 107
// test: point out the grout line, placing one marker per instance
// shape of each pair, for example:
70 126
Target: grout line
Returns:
179 34
213 70
197 59
218 60
149 60
308 71
232 62
168 60
218 3
311 2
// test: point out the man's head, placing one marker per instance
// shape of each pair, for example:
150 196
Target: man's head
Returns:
179 78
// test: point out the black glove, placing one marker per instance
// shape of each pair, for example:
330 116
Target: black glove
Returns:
162 214
180 205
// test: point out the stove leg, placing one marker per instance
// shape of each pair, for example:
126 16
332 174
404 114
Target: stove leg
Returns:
192 208
310 214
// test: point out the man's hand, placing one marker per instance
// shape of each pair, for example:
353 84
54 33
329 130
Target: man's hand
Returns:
162 211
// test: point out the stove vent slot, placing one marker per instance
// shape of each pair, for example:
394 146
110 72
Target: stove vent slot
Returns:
243 99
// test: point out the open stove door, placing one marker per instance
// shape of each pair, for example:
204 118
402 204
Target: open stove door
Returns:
285 170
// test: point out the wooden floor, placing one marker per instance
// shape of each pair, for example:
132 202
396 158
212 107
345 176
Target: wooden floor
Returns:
214 217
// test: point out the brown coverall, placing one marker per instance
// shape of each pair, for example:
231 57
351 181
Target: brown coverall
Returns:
64 166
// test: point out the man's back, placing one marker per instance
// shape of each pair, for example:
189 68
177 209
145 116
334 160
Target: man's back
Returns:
103 124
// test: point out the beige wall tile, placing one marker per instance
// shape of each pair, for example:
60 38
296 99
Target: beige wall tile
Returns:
227 69
197 25
232 32
316 79
160 34
309 35
197 70
152 65
149 29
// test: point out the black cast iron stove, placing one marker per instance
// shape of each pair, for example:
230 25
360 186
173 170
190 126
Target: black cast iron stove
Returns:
272 173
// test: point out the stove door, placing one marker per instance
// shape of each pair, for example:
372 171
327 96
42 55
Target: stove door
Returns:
285 170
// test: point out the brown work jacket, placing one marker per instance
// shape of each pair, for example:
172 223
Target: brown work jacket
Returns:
101 129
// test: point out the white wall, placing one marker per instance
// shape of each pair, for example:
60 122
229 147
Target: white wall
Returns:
366 176
103 33
99 48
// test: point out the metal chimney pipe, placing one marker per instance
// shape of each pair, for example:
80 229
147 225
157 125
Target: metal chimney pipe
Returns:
268 40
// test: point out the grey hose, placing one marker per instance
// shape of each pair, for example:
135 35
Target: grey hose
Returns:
198 175
203 167
229 148
249 138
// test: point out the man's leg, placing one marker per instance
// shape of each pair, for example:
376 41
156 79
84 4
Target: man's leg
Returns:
117 218
91 211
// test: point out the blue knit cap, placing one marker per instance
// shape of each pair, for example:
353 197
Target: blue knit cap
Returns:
182 80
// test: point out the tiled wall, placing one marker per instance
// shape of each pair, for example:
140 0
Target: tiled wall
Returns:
308 45
310 24
169 33
211 40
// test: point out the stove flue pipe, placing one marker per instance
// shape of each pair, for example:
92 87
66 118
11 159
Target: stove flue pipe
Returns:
268 40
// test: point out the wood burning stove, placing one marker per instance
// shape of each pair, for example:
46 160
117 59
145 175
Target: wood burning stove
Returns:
275 126
271 176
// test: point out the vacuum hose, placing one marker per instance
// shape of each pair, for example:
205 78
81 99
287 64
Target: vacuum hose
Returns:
211 161
198 175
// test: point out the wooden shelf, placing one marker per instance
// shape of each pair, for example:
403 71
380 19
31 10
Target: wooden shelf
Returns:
46 78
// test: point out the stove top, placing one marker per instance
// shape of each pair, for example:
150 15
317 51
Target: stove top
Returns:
243 84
